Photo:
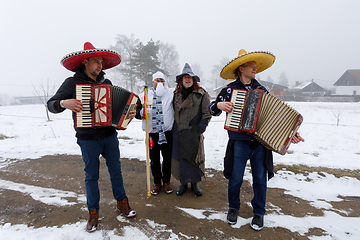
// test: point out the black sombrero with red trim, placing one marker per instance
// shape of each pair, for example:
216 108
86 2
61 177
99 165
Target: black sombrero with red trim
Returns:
73 61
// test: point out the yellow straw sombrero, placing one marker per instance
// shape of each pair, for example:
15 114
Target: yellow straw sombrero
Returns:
262 59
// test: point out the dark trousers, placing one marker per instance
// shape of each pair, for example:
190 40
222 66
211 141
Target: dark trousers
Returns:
159 174
244 150
91 151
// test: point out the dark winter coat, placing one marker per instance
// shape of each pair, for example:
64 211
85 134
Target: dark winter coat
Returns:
191 119
67 91
225 96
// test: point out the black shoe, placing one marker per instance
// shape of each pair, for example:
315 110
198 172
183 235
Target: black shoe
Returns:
196 189
257 222
181 189
232 216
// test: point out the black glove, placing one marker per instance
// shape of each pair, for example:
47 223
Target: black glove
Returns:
202 126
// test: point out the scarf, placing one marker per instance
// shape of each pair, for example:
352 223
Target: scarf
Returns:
158 118
186 92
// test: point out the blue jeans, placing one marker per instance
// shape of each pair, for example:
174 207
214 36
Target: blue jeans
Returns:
109 149
244 150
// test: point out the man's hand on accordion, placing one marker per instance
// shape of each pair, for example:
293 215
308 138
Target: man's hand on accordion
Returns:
297 138
74 105
225 106
132 114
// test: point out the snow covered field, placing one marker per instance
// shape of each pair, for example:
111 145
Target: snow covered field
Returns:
30 135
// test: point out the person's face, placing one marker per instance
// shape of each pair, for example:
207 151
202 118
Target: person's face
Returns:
187 81
248 70
93 66
157 81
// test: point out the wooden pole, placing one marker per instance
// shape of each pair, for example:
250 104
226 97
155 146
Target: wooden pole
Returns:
147 138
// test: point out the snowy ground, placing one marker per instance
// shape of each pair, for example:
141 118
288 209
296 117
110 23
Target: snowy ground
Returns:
30 135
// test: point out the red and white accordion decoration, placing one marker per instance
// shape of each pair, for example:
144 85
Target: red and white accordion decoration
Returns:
104 105
265 117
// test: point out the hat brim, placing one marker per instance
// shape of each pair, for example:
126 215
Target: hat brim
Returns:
74 60
263 61
195 77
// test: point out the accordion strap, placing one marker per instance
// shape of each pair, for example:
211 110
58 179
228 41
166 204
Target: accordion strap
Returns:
94 82
258 87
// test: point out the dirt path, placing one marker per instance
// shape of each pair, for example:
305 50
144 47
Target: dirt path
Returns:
166 211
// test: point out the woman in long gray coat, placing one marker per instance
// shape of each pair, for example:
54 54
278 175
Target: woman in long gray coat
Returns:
191 106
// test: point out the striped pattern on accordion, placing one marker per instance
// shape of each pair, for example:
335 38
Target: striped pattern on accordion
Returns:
104 105
265 117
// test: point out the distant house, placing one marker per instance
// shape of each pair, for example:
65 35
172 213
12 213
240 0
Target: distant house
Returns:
274 89
348 83
307 89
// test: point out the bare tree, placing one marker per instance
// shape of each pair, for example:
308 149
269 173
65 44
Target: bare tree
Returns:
169 61
337 114
44 92
197 70
215 79
122 74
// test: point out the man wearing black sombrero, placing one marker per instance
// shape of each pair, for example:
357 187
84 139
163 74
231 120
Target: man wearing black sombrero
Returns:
88 66
242 146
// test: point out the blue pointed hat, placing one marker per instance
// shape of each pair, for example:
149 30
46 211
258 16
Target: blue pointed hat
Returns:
187 71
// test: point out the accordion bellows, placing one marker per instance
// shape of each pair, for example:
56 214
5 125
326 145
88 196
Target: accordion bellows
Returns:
265 117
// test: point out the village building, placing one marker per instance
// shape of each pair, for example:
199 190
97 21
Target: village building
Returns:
309 88
273 88
348 83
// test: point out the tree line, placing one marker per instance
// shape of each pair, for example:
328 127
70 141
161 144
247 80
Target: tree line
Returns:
140 60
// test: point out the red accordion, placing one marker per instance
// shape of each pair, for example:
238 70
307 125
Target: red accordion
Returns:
104 105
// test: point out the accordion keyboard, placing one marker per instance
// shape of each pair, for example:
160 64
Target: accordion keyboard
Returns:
233 119
83 118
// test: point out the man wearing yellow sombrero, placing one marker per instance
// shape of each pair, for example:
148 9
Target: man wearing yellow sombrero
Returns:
88 65
242 146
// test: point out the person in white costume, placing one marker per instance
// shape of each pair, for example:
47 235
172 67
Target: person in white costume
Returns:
161 119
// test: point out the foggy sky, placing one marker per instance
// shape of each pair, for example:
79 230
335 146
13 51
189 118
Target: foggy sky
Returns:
316 40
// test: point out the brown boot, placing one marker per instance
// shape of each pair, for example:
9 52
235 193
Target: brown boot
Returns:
124 207
92 223
168 188
156 189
